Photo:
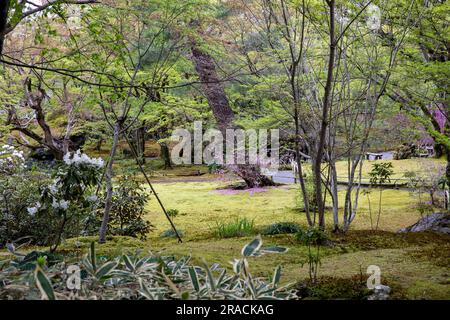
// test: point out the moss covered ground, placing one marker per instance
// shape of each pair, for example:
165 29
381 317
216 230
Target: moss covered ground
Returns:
416 266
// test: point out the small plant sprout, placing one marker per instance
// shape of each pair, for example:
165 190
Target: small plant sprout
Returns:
381 173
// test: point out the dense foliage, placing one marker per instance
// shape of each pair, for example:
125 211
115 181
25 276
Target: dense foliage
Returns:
136 277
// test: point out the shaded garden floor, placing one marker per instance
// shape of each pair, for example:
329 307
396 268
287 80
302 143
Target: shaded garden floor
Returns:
416 266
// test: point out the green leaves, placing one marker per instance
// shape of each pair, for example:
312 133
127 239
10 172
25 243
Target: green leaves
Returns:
312 236
44 284
381 173
276 277
105 270
210 277
93 257
252 247
194 279
155 277
98 272
274 249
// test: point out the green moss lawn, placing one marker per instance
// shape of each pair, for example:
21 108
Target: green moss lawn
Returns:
414 265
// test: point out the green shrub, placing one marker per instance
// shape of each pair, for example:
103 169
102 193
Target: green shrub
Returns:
44 207
313 238
281 228
238 228
18 192
173 213
127 211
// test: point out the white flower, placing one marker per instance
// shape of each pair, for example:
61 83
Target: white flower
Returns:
55 204
82 158
32 211
99 162
62 204
13 159
53 187
67 159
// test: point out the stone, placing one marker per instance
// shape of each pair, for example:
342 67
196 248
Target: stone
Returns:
382 289
380 292
436 222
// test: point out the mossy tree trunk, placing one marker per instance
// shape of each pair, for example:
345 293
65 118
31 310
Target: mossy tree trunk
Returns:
218 101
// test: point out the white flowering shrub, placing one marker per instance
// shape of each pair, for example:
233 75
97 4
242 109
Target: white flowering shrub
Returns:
68 199
79 159
46 207
11 159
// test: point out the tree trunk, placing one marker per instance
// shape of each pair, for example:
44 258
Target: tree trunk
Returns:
34 100
334 194
139 142
165 155
224 115
327 100
447 169
4 10
98 144
213 89
108 181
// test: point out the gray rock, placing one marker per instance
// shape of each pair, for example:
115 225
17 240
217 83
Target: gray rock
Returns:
437 222
382 289
381 292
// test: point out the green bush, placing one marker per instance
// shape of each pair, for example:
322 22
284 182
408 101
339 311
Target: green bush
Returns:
127 211
173 213
43 207
281 228
311 236
238 228
18 192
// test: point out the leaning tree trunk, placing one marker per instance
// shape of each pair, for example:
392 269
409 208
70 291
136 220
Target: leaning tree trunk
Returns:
108 181
224 115
213 88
